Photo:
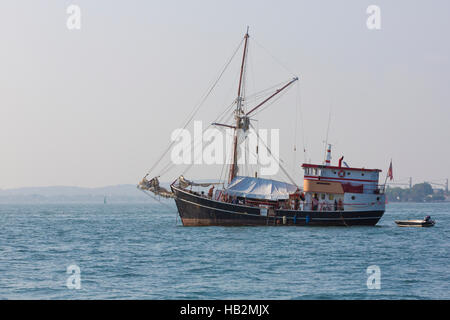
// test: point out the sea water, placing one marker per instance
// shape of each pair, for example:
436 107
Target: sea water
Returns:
141 251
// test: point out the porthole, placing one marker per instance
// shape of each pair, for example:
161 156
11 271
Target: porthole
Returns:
348 173
353 197
378 198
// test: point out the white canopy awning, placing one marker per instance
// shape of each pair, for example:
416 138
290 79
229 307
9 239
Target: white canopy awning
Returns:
258 188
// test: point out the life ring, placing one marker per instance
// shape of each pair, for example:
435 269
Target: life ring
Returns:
341 173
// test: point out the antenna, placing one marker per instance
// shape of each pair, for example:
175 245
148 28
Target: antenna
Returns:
326 138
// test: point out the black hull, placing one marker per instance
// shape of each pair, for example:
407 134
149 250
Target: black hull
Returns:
195 210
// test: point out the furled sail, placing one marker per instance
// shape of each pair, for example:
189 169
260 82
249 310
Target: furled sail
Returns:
152 185
184 183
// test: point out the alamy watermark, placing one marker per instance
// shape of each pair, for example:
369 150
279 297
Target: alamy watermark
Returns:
213 146
374 278
74 280
374 20
74 19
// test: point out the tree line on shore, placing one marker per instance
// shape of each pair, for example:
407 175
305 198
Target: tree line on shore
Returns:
421 192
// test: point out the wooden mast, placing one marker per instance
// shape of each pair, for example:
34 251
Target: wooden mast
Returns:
240 115
238 111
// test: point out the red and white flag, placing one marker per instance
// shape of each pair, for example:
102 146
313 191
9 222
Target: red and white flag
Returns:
390 174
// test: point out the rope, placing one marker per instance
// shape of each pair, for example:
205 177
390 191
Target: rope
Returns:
301 121
196 109
154 198
343 220
278 160
273 57
194 145
170 165
270 103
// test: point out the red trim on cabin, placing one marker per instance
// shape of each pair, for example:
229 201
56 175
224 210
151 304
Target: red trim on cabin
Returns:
333 178
307 165
349 188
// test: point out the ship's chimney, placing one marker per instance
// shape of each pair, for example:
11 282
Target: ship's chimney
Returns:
328 160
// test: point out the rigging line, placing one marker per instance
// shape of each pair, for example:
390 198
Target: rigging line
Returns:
198 106
257 150
270 103
222 171
273 57
170 165
196 143
294 161
276 93
326 138
156 199
252 73
231 155
301 121
265 92
244 77
280 161
225 112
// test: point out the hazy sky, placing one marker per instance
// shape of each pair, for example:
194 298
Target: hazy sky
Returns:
96 106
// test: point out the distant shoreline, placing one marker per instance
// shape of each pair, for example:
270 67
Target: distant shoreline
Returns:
124 193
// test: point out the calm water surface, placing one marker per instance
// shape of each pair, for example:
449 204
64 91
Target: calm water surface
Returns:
138 251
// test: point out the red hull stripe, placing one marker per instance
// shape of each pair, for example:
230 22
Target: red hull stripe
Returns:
332 178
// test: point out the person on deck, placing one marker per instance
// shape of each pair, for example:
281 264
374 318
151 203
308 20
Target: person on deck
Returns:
315 202
210 192
340 204
297 204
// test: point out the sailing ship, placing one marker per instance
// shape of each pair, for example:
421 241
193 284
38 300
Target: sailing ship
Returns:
332 195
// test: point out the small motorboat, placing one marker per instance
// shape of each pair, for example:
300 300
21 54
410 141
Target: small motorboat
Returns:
426 222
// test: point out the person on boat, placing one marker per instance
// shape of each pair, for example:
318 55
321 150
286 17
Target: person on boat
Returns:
302 202
296 204
340 204
321 205
210 192
302 196
427 218
315 202
335 205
